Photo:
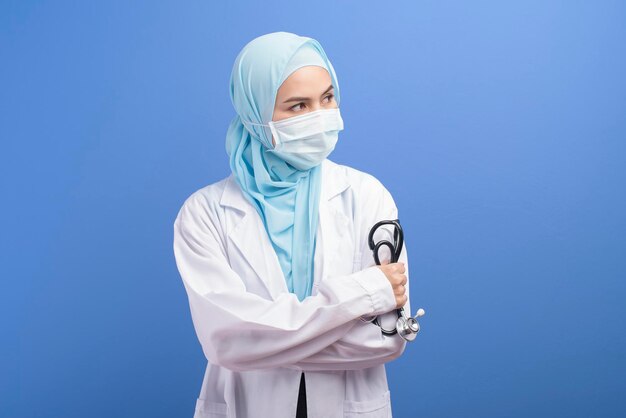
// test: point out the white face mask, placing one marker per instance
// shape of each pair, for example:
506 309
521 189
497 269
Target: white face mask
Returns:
304 141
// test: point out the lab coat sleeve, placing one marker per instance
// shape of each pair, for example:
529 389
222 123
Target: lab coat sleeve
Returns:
241 330
364 345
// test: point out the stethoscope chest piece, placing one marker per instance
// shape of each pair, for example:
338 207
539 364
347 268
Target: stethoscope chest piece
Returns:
408 328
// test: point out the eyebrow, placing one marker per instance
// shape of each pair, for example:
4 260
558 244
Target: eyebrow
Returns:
306 99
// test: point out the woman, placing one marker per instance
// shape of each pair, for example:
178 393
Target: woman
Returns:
275 259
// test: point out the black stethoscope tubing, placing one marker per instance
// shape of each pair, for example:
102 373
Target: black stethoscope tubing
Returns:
395 249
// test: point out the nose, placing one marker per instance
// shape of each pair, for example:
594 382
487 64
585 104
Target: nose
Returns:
315 106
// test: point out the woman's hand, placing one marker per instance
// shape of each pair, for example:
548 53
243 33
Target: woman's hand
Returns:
397 278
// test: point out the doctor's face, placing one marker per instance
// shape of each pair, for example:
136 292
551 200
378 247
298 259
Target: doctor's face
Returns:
305 90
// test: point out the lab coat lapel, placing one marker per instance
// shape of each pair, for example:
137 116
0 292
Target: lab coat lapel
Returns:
247 232
334 182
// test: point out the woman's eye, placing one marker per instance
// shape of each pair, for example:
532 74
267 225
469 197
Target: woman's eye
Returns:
330 97
296 108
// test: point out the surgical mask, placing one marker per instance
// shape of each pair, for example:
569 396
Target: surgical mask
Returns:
304 141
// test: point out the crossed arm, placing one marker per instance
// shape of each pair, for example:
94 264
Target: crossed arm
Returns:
240 330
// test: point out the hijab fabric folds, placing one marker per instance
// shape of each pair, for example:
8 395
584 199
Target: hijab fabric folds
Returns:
287 199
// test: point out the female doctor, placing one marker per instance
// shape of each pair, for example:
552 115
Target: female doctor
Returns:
275 259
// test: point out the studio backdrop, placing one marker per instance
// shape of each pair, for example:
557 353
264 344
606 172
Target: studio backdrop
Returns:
498 127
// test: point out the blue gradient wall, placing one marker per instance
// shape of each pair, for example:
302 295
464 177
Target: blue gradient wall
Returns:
499 127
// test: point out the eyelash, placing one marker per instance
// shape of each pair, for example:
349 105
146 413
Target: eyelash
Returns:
330 96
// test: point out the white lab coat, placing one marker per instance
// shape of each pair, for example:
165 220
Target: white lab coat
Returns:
258 337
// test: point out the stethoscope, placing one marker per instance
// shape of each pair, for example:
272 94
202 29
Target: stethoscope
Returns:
406 327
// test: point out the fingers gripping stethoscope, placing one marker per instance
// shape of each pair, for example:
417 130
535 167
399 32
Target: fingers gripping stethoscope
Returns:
406 327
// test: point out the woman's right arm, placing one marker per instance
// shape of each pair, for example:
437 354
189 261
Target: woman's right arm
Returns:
364 345
240 330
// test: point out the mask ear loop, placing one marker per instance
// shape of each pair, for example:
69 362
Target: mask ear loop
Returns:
252 123
270 125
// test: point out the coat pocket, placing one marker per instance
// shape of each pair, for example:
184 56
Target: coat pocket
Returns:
374 408
206 409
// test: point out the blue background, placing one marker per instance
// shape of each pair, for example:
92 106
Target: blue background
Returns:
499 128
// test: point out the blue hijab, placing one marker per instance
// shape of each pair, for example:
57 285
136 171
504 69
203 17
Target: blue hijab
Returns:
287 199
